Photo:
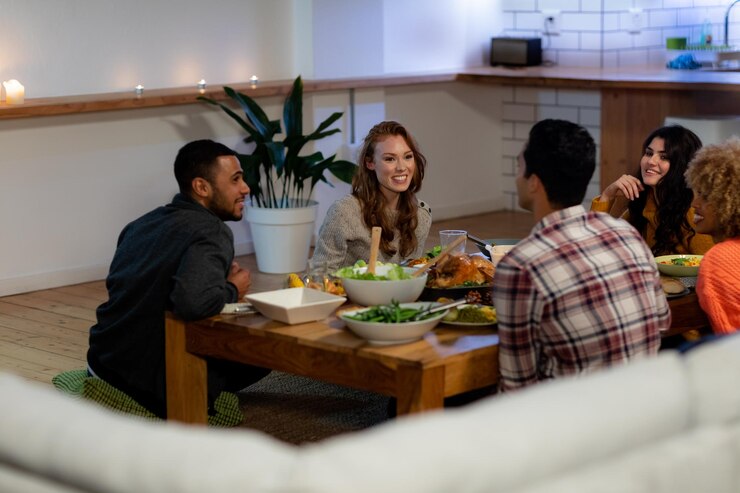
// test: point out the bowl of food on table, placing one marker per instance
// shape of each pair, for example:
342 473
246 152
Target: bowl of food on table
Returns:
679 265
393 323
460 276
506 243
472 314
389 282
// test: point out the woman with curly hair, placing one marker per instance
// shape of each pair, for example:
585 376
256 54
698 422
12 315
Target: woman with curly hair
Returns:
660 201
390 172
714 175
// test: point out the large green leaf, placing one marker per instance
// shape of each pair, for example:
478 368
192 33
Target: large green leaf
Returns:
293 110
275 171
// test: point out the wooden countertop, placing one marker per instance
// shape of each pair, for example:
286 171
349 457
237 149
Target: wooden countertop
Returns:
556 76
598 78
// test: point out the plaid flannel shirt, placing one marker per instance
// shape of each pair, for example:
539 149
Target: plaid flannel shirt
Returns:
581 292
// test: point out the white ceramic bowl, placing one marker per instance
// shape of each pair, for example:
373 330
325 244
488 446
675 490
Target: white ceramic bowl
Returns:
677 270
368 293
393 333
295 305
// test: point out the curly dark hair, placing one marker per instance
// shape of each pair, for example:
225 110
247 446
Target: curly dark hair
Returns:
671 193
366 188
714 174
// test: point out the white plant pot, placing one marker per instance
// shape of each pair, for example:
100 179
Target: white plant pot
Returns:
282 237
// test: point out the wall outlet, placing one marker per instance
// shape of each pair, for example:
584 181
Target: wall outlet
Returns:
550 22
636 20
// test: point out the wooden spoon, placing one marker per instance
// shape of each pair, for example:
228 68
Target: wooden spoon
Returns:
439 257
374 245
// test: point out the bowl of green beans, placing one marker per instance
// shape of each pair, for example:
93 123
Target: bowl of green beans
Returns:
394 323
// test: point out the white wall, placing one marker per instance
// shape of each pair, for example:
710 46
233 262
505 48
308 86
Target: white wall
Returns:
68 184
66 47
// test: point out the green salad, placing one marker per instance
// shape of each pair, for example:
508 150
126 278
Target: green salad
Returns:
394 273
390 314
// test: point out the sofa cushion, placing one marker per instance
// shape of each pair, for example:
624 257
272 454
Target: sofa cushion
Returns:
714 377
508 441
87 447
703 459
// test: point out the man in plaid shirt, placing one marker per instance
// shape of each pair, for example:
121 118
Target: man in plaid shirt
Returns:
582 291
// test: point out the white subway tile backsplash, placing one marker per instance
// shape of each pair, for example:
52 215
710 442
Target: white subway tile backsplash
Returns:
558 112
507 130
590 41
611 22
617 40
518 112
689 17
579 58
674 4
518 5
562 5
534 95
648 4
589 99
662 18
564 41
581 22
633 57
521 131
527 20
590 116
507 21
590 5
617 5
648 38
610 59
511 148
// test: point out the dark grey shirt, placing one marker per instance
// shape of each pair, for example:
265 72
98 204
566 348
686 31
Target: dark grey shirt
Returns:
177 258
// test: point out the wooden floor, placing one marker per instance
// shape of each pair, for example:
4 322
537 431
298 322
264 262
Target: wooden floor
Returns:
45 332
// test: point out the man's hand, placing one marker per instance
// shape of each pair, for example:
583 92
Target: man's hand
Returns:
241 278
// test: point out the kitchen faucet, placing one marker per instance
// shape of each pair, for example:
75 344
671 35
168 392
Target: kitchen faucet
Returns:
727 21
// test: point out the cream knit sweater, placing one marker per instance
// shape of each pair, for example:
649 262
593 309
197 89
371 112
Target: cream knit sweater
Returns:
344 238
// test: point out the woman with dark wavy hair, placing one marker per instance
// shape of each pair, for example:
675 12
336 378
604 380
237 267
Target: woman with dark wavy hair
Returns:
660 202
389 175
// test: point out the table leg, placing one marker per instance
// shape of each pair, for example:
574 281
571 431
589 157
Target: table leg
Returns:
187 382
419 389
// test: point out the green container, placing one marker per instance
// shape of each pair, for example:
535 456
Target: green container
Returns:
675 43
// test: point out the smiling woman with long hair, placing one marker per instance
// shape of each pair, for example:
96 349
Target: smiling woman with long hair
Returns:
659 200
390 172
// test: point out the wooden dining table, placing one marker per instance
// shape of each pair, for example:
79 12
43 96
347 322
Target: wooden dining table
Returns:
448 361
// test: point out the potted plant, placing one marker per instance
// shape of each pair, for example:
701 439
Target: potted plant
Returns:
281 213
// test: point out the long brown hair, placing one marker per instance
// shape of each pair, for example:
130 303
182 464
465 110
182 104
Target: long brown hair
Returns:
366 188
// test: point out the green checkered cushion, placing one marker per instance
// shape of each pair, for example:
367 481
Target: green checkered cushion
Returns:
79 384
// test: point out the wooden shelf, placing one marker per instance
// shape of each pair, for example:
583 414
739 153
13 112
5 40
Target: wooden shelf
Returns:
153 98
651 78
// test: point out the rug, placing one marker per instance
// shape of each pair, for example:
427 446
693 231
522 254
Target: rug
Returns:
299 410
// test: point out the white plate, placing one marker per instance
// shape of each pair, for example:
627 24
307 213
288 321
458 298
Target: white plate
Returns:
469 324
238 308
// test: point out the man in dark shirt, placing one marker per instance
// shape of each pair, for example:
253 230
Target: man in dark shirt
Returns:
179 257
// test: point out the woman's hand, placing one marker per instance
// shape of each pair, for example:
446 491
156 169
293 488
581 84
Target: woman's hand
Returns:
626 185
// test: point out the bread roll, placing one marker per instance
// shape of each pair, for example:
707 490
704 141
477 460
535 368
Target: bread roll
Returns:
672 286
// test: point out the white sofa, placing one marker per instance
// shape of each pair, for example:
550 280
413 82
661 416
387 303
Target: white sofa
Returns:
669 424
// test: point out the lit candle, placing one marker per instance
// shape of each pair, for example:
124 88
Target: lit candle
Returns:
139 90
254 80
14 92
202 86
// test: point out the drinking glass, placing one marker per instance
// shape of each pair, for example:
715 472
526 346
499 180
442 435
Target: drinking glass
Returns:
447 236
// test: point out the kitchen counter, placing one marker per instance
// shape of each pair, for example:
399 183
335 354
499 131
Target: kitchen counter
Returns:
634 100
599 78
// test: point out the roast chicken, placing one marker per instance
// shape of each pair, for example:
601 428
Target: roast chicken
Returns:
459 270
